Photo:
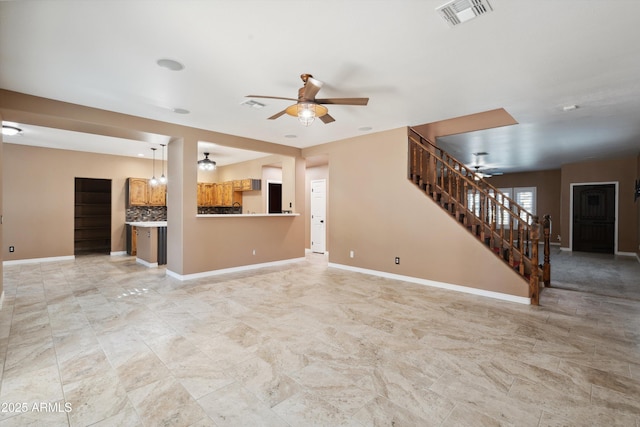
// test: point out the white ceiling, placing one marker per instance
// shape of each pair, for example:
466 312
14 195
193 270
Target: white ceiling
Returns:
531 58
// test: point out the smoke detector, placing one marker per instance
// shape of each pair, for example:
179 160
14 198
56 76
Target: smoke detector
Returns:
458 11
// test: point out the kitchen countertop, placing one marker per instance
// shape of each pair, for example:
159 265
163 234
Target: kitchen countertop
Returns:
148 224
243 215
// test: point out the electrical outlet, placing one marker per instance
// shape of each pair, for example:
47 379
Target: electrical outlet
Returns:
351 254
397 260
559 238
12 249
254 251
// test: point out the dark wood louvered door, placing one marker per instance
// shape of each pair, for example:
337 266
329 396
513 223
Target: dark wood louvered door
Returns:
594 218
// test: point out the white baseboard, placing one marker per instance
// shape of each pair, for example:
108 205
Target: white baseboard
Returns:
626 253
118 253
432 283
38 260
183 277
147 263
562 248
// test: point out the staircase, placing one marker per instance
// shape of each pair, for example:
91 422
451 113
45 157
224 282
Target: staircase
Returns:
505 227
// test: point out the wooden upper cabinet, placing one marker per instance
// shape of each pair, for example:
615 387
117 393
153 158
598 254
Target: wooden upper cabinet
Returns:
250 184
138 192
227 193
157 195
141 193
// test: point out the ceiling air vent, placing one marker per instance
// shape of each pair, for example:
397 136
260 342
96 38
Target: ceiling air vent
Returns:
458 11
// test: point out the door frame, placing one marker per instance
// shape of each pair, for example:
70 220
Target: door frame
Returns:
266 200
311 214
615 221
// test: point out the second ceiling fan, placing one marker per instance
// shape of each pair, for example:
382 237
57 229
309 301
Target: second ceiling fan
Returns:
307 106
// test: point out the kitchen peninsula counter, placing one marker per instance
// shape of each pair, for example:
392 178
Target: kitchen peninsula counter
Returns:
150 239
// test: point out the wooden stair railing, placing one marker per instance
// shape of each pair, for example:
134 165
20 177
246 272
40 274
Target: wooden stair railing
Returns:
497 220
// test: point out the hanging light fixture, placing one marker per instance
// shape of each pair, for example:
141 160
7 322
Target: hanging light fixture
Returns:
153 180
206 164
163 179
306 111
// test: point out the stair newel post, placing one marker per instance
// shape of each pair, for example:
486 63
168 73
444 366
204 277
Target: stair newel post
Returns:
546 268
534 280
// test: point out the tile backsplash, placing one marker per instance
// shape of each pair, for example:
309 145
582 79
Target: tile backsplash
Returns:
146 213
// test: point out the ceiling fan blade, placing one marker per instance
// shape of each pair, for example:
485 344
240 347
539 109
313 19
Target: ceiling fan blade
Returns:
271 97
326 119
311 88
275 116
343 101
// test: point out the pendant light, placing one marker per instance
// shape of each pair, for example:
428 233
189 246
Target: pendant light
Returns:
206 164
163 179
153 180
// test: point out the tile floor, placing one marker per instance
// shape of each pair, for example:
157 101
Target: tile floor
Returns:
304 345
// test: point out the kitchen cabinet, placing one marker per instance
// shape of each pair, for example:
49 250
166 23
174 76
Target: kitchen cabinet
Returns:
250 184
207 194
157 195
141 193
219 194
137 188
132 239
227 193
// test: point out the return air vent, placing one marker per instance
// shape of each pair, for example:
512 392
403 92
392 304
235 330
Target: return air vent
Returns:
458 11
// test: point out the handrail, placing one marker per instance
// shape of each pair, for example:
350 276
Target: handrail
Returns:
450 182
512 202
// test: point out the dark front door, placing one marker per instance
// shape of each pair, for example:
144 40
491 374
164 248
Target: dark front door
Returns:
275 198
594 218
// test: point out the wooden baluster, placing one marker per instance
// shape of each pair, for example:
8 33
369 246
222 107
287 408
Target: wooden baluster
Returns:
521 242
465 203
494 211
546 267
511 261
534 280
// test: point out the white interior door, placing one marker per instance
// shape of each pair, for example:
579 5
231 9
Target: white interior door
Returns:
318 215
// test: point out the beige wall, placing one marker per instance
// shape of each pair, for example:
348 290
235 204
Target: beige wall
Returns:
547 185
379 214
622 170
39 192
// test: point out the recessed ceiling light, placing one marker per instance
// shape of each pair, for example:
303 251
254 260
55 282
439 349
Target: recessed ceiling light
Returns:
365 128
180 110
170 64
140 155
291 136
570 107
481 153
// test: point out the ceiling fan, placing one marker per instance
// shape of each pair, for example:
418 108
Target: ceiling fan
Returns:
485 173
307 106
